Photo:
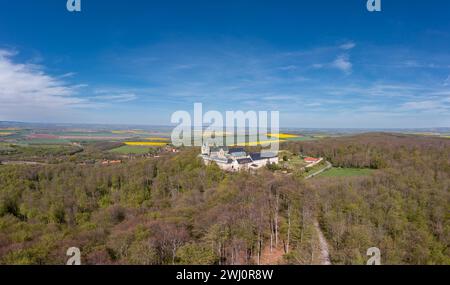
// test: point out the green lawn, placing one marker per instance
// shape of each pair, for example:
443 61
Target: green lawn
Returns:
131 150
315 168
346 172
296 163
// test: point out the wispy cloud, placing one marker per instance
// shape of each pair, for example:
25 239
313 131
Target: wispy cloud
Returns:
333 81
342 63
28 92
424 105
314 104
348 45
116 98
67 75
29 85
288 67
278 98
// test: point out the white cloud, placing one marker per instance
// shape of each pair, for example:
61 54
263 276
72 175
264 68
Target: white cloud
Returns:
69 74
117 98
288 67
424 105
279 97
342 63
348 46
23 85
314 104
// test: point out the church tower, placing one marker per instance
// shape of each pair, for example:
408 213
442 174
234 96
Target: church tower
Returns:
205 149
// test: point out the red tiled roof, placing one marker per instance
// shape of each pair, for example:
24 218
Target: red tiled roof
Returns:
311 159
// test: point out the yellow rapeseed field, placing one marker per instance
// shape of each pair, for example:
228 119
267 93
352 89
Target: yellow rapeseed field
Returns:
259 143
282 136
158 139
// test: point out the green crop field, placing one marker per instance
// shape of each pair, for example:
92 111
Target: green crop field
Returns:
83 134
45 145
130 150
346 172
47 141
6 147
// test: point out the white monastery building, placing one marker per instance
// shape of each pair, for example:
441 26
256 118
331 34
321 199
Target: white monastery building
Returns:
236 159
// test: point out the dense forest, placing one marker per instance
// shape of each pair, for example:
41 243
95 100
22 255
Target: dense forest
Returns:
404 208
174 210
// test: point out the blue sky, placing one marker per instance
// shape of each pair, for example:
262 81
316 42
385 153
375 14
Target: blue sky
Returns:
321 63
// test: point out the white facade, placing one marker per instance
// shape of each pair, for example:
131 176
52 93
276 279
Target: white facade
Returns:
236 159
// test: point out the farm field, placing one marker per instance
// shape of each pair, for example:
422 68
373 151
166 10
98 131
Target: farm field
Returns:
246 141
5 147
283 136
346 172
258 143
293 137
87 133
46 141
304 138
127 132
42 136
130 150
146 143
158 139
4 133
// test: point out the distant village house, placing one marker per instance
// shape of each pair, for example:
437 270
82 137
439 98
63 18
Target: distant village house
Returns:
311 161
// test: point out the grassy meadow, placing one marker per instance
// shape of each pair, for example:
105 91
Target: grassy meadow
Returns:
346 172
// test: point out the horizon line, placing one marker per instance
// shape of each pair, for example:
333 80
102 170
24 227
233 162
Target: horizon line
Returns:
173 125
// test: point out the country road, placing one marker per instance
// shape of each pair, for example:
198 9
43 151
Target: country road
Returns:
329 165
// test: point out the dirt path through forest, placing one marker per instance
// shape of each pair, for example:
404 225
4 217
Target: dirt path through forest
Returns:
275 256
324 251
